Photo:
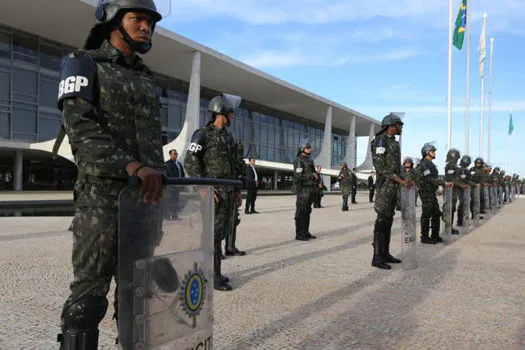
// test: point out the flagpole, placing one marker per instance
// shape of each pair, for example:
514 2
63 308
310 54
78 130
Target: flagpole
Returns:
449 96
490 99
481 117
467 117
510 146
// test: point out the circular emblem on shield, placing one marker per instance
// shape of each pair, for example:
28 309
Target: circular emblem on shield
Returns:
193 292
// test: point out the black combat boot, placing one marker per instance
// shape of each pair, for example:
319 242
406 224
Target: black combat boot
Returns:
219 281
345 203
299 228
379 251
388 257
425 227
435 230
307 227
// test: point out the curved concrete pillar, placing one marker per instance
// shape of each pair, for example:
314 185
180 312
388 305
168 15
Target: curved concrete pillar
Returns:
324 159
64 150
368 164
351 146
192 118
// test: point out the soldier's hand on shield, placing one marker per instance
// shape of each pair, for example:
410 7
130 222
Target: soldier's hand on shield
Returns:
238 199
204 192
449 184
478 185
152 186
316 176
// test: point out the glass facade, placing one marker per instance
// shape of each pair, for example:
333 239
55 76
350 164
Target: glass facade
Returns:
29 72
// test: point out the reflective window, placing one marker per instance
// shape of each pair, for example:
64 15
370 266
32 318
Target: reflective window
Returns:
5 45
24 137
4 125
24 85
25 48
24 118
48 93
48 128
164 116
174 116
50 56
5 87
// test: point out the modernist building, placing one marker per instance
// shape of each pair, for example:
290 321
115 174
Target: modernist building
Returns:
274 115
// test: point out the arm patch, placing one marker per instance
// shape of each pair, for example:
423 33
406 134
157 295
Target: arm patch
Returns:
198 141
77 79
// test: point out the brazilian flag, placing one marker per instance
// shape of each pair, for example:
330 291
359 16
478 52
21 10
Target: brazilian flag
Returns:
461 23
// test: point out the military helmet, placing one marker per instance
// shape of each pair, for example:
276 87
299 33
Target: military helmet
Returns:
465 160
303 145
453 155
224 104
427 148
107 10
408 159
479 160
496 168
390 119
343 164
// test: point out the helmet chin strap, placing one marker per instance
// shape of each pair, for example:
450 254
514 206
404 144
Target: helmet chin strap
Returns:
135 46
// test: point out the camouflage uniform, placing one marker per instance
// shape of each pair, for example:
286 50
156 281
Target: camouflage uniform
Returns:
407 174
209 156
386 156
344 184
306 186
465 179
114 122
452 174
428 182
478 176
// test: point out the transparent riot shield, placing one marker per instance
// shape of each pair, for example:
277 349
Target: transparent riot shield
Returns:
493 199
165 267
507 197
476 205
447 214
486 201
466 209
408 237
500 196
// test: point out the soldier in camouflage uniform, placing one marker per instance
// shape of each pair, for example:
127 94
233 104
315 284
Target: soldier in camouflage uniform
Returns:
466 182
344 184
110 114
408 173
210 155
306 181
237 153
452 174
428 182
478 176
386 156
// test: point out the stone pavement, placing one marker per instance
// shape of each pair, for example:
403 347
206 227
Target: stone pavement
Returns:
321 294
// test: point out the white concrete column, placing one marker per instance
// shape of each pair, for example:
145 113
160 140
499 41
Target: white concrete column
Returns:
368 164
192 118
324 159
350 157
275 182
17 171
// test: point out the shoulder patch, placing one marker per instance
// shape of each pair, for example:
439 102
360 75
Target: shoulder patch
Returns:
77 78
198 141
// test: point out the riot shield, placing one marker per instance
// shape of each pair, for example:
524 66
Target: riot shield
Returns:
493 199
476 205
466 209
165 268
408 237
500 196
506 190
486 201
447 214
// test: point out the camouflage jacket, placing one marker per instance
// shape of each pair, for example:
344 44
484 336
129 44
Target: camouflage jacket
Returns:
345 179
427 178
477 175
464 176
386 155
495 178
209 154
408 174
304 170
237 156
452 174
110 112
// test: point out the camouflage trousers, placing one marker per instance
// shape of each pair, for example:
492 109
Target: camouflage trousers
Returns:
223 222
384 206
431 214
303 209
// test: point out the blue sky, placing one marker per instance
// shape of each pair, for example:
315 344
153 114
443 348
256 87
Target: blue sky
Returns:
377 56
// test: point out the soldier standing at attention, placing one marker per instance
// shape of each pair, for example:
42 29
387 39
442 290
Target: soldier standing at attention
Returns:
466 182
386 155
110 114
209 156
428 182
452 174
344 180
306 184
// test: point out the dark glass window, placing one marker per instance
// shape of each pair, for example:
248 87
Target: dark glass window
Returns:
24 137
50 56
4 125
164 116
5 87
24 85
48 127
5 45
24 118
174 116
48 93
25 48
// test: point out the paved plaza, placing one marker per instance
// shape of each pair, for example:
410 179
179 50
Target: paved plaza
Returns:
321 294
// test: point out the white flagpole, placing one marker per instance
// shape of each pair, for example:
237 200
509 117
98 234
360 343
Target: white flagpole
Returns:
510 146
490 100
482 50
449 96
467 118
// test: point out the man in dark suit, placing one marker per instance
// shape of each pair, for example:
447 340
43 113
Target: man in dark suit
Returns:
353 183
175 169
372 186
252 182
